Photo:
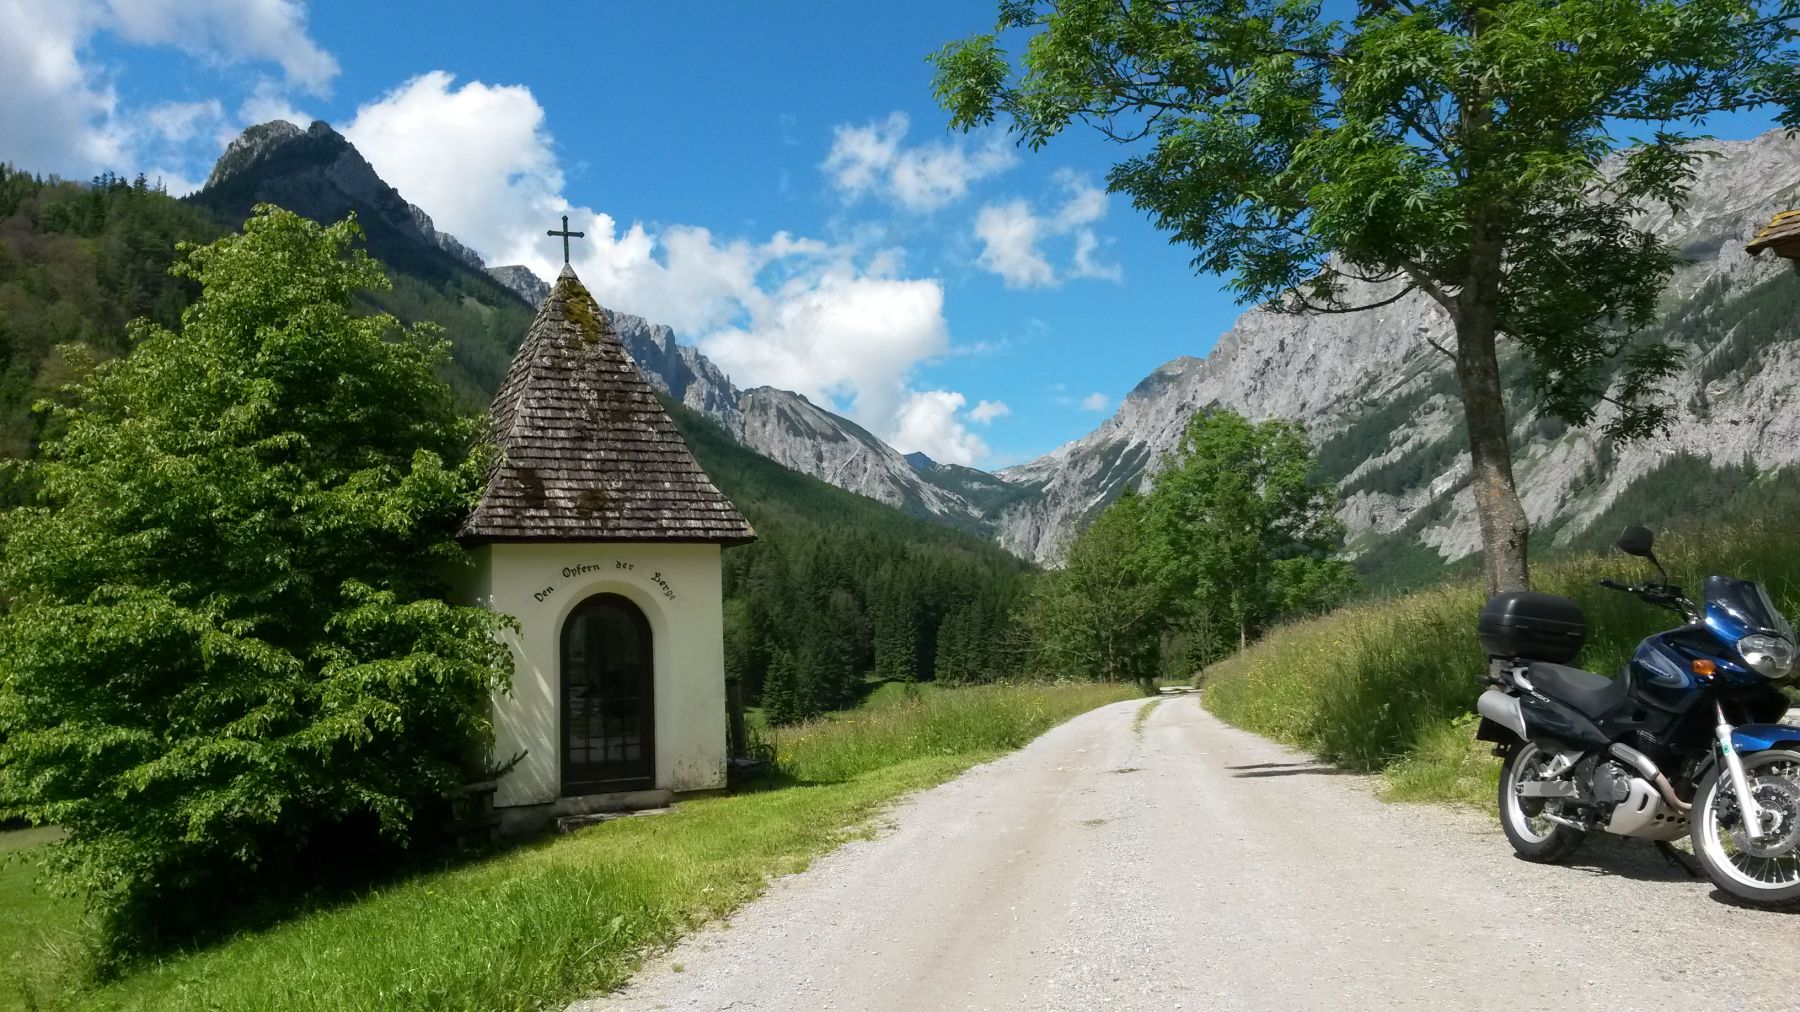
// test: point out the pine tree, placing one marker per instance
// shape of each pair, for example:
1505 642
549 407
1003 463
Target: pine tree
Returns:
897 640
778 692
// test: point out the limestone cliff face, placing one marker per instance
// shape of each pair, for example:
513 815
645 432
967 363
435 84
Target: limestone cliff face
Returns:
444 240
519 280
1372 382
679 370
793 431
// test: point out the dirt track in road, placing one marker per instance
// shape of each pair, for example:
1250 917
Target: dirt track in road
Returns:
1195 866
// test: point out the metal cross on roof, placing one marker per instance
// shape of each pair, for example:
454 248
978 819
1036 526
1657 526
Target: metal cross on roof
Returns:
566 235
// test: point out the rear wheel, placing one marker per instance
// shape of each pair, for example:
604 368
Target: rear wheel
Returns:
1526 821
1764 871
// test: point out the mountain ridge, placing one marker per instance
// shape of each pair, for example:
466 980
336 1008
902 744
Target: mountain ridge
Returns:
1375 396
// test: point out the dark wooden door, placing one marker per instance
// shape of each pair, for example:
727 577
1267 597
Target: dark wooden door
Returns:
608 711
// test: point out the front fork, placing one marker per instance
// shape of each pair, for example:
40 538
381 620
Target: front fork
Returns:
1751 811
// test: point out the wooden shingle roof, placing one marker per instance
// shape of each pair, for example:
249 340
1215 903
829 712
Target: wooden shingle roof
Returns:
585 450
1782 234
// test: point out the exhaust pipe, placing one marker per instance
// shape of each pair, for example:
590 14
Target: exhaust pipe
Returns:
1641 762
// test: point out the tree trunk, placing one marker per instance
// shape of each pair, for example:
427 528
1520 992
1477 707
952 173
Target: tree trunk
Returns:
1504 528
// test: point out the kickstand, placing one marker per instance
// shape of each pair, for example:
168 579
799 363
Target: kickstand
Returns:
1677 858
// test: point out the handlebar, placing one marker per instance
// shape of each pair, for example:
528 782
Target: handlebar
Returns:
1662 595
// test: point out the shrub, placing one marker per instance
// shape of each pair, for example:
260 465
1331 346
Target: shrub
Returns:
1385 682
225 641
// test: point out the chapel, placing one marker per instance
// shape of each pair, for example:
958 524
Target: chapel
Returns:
602 536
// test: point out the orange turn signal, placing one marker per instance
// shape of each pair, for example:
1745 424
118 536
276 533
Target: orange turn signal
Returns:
1704 668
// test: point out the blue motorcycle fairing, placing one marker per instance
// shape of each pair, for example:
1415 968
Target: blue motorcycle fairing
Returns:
1663 667
1748 738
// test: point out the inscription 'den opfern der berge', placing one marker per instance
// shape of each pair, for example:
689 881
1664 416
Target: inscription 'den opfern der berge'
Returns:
582 569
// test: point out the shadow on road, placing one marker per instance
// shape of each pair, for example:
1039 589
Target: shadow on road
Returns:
1639 860
1285 770
1626 858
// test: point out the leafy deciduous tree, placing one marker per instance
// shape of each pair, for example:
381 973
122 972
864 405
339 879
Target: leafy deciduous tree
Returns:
1464 149
1102 615
1240 533
224 632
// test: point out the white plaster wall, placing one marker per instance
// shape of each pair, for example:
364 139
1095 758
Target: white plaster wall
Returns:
677 586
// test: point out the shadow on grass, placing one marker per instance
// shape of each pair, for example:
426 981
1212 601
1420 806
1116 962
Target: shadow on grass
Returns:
777 779
345 882
315 881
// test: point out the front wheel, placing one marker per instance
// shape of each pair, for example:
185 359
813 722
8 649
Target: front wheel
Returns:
1765 871
1532 832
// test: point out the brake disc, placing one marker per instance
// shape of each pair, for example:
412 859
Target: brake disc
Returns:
1779 799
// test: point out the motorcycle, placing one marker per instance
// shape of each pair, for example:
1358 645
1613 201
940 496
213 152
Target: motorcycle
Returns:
1685 742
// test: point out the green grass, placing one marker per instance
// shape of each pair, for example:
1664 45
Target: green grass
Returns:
552 921
1143 714
1387 685
35 927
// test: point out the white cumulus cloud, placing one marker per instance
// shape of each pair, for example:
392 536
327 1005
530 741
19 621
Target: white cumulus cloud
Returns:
60 110
1009 235
873 160
928 424
229 31
1095 402
838 322
1013 237
837 336
987 411
477 157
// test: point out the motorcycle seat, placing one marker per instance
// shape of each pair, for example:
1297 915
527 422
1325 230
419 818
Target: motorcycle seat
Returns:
1586 691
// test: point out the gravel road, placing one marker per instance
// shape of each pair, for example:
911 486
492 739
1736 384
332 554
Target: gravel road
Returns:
1195 866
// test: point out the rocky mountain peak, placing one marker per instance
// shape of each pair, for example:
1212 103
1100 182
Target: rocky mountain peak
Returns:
523 282
318 173
251 146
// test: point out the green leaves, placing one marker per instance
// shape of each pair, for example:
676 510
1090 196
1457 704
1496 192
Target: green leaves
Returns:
1233 537
1243 532
1294 152
225 633
1466 152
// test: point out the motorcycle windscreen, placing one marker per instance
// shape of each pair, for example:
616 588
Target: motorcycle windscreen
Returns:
1738 608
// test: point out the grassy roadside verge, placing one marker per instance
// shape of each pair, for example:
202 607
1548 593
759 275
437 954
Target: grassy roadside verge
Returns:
1388 685
553 921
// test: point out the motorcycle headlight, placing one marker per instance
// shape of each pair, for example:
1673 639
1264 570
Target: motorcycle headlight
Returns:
1771 656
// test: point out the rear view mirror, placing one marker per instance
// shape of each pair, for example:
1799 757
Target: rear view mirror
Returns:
1637 541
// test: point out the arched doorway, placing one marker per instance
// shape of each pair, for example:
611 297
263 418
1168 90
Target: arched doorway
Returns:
608 705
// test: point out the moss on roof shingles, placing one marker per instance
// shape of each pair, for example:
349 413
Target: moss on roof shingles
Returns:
585 450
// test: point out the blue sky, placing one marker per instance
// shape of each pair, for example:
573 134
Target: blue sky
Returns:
771 178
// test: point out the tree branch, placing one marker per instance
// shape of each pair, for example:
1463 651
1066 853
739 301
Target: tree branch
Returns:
1312 307
1429 286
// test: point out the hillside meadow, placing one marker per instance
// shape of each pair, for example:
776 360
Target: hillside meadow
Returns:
1389 684
552 920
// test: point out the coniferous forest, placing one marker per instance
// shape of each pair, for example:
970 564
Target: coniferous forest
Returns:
839 586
